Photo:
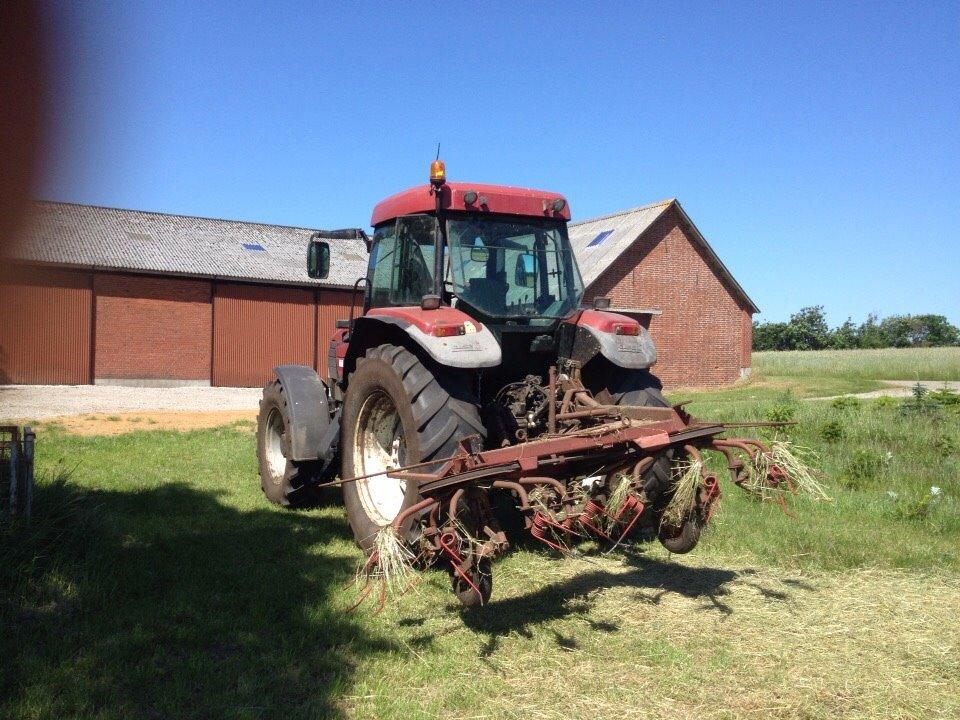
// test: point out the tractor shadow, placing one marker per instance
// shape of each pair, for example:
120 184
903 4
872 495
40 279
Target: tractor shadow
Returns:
167 602
652 580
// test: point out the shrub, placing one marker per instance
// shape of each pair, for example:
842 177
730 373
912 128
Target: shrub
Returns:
917 507
783 410
845 402
920 403
946 445
862 469
945 397
832 431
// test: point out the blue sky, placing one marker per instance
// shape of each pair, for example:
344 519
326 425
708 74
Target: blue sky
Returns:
817 146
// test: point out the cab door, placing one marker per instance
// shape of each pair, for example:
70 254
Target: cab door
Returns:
402 262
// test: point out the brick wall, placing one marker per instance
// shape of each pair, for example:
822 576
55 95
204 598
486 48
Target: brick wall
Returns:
703 335
150 327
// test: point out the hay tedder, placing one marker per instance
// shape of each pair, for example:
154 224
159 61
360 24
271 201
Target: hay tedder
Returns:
473 387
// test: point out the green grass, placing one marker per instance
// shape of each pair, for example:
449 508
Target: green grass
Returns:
884 364
878 464
158 583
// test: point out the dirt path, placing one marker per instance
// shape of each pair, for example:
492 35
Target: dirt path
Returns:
120 423
899 388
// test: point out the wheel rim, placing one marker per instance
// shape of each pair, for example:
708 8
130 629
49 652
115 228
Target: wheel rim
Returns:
273 442
379 446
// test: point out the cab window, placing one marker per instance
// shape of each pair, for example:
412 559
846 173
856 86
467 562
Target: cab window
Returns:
401 261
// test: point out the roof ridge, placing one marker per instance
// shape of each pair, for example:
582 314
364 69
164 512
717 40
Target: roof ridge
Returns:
171 215
649 206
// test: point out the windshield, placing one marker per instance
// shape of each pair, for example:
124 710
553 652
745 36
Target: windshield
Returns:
514 268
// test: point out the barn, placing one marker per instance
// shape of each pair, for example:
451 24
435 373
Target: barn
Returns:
654 264
109 296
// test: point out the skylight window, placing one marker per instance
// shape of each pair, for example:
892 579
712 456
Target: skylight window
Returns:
600 238
254 247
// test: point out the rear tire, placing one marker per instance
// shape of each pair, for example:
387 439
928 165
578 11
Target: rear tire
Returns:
613 385
618 386
682 540
397 412
482 578
285 482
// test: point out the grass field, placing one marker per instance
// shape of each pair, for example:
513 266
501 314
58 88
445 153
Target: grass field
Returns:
162 585
886 364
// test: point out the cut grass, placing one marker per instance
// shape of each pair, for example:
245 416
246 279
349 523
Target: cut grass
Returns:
158 582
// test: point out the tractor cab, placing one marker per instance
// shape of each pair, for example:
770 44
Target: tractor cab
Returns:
502 270
499 254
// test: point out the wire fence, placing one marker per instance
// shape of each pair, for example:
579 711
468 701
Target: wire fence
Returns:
16 473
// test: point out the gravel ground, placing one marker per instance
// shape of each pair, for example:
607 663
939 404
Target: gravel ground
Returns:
39 402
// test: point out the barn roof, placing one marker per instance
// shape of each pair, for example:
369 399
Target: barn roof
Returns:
598 242
90 236
97 237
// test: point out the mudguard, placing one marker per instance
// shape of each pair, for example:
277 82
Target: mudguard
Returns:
476 347
597 332
313 433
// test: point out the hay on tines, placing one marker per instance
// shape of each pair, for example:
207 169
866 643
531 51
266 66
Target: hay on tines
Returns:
795 463
541 498
473 543
618 496
687 479
394 561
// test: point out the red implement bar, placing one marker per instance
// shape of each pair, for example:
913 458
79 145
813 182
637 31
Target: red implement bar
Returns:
606 444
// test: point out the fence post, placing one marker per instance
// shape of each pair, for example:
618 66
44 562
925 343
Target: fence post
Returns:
14 471
29 440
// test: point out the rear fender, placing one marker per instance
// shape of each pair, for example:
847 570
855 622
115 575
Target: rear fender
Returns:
597 332
475 348
312 432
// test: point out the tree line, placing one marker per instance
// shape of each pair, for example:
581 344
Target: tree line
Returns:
808 330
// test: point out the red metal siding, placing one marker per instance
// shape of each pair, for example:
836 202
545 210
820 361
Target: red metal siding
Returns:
332 305
45 327
152 327
256 328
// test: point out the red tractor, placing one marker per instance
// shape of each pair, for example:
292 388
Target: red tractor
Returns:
474 375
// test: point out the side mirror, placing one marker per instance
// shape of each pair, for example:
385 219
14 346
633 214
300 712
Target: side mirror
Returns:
526 275
318 259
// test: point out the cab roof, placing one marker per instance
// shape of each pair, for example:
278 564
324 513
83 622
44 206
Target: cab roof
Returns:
500 199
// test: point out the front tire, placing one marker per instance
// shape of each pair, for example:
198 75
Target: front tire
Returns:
397 412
